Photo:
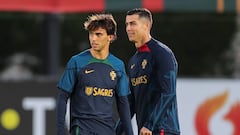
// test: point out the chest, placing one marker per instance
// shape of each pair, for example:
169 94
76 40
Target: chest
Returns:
141 67
98 75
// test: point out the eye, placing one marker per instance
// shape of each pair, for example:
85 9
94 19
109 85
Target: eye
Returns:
133 23
98 34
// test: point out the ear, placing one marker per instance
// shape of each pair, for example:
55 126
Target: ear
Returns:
112 38
148 24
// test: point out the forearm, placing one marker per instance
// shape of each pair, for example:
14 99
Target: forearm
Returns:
167 98
131 100
159 110
119 124
125 116
61 112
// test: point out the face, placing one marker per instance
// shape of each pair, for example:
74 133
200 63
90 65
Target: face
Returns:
136 28
99 39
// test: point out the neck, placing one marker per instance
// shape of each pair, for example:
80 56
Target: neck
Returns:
143 41
99 54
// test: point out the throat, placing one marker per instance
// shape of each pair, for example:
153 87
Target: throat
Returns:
101 55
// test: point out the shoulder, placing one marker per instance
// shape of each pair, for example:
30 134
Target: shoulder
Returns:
81 55
159 48
161 53
156 45
80 58
116 62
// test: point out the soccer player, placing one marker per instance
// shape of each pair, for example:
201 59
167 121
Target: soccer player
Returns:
152 72
92 79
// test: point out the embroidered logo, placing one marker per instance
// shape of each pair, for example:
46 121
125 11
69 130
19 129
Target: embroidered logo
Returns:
144 63
88 71
112 75
89 90
132 66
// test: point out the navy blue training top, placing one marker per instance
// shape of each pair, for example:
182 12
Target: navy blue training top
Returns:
152 73
93 84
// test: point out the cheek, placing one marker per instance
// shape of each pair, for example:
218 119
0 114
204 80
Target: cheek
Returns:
105 40
139 31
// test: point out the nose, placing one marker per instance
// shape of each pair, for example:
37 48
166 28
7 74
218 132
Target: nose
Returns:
127 27
92 37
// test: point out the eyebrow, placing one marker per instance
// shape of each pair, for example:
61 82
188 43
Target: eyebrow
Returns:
133 21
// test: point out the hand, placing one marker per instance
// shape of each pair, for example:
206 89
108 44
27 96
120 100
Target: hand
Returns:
145 131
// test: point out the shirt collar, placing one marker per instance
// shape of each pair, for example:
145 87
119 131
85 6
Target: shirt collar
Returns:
144 48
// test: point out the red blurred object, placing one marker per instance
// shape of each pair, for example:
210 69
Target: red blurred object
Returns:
54 6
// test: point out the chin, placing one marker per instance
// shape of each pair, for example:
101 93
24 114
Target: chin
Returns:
132 40
96 49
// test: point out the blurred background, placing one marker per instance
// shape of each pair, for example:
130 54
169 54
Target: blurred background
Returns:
38 38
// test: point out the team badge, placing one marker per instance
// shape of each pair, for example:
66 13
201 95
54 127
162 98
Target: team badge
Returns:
88 90
144 63
113 75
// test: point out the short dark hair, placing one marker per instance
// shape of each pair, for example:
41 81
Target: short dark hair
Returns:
105 21
142 12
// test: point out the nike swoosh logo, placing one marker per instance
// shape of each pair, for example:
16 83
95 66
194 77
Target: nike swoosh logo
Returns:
132 66
88 71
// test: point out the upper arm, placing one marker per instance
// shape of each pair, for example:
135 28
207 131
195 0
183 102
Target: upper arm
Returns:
123 84
166 66
69 77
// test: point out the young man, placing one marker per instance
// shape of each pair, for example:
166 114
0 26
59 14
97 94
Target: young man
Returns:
152 73
92 79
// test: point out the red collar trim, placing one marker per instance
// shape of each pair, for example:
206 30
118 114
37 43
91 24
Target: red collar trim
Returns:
144 48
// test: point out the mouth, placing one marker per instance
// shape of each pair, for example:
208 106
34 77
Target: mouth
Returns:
130 34
93 44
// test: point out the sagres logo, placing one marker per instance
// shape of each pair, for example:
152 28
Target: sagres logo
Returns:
95 91
210 107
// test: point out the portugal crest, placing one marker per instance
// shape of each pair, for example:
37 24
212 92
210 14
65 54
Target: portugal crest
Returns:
144 63
113 75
